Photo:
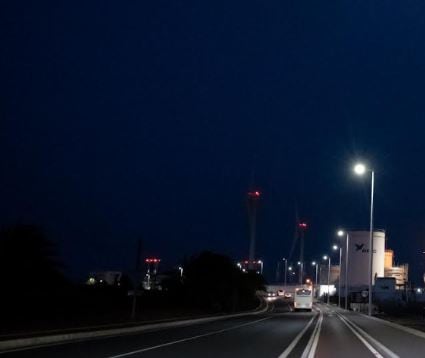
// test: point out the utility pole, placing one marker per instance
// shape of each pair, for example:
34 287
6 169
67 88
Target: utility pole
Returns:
302 226
136 279
253 197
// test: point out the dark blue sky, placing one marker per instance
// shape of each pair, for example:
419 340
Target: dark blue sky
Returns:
121 120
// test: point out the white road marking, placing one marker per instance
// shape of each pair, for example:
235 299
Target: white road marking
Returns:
187 339
363 336
310 349
289 349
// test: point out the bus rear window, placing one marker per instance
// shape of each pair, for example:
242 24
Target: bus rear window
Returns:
303 292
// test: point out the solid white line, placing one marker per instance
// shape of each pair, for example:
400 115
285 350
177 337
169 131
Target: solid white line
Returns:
313 346
366 343
310 341
374 341
187 339
23 344
397 326
289 349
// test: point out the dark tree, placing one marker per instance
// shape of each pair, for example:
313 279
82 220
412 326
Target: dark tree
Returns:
213 281
28 260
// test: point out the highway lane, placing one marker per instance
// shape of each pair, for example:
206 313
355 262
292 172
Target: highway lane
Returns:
252 336
337 339
329 332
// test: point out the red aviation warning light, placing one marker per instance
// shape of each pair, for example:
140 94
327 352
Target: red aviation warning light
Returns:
302 225
152 260
254 194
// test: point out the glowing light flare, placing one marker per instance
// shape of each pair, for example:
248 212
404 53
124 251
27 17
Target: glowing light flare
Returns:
359 169
254 194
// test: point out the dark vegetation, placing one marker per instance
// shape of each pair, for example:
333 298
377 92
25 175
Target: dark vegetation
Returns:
36 295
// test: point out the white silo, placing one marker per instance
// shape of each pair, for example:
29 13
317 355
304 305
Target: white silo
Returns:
358 258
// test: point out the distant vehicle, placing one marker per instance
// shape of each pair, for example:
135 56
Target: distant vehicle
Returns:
303 299
287 295
280 292
271 294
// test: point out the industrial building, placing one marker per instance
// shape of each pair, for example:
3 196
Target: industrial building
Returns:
400 272
358 263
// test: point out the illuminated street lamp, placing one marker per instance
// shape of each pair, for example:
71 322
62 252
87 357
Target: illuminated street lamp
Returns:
361 169
286 269
314 263
261 265
341 233
335 247
326 257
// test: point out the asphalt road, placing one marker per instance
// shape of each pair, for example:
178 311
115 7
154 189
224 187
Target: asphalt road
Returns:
327 332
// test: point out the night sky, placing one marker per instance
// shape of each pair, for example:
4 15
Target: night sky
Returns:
122 120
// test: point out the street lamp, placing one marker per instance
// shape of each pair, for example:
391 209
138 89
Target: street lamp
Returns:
314 263
341 233
361 169
326 257
286 268
261 266
335 247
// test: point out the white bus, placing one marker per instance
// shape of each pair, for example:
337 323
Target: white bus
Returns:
303 299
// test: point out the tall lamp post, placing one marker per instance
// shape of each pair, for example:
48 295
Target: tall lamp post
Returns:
302 227
336 247
326 257
361 169
286 269
347 239
314 263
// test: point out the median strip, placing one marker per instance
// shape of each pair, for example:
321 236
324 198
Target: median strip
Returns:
293 344
310 349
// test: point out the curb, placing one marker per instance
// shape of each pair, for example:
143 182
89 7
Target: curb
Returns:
22 343
410 330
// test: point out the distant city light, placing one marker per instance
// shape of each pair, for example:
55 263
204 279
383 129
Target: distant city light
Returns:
91 281
302 225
